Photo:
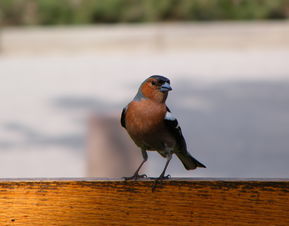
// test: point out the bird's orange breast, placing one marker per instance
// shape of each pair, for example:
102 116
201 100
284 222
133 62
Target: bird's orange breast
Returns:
145 119
144 116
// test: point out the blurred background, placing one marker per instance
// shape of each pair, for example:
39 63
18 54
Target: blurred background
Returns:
67 68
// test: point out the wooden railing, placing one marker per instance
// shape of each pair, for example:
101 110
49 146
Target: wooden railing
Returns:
117 202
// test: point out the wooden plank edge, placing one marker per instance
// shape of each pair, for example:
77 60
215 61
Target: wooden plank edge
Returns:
97 179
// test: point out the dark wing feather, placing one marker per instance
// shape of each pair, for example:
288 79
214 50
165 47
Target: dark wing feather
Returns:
122 119
173 126
181 148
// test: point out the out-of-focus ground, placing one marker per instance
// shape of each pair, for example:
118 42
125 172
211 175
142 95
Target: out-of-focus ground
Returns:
230 93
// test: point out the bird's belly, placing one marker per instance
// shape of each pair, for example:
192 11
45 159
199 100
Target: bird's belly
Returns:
151 137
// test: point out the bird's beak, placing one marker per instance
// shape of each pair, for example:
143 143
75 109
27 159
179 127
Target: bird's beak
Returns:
165 87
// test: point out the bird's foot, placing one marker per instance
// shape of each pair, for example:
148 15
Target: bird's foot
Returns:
135 177
165 177
159 180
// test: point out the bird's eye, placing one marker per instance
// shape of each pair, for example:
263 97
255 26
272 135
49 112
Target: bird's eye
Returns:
154 83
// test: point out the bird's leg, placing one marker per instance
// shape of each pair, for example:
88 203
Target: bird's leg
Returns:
135 176
162 176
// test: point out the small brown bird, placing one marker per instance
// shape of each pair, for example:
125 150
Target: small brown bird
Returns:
152 127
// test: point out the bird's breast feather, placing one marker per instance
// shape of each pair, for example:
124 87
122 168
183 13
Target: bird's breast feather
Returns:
144 116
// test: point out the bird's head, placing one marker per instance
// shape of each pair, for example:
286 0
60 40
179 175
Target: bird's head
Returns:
156 88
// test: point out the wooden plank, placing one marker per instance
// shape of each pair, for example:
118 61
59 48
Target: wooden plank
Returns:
118 202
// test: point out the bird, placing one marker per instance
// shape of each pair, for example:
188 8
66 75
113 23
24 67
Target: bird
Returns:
152 126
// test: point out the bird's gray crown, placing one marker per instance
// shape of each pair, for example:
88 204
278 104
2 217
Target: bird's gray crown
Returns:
160 78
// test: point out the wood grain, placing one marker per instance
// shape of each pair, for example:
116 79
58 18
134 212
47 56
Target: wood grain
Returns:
117 202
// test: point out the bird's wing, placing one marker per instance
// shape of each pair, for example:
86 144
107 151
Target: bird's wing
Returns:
173 126
122 119
181 148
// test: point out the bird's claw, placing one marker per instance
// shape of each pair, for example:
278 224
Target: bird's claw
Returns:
166 177
160 179
135 177
142 176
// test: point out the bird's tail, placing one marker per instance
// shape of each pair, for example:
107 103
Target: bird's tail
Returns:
189 161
